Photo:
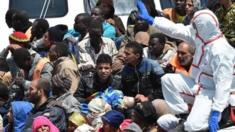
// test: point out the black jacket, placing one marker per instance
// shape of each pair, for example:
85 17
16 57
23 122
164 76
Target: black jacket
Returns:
90 84
55 113
143 79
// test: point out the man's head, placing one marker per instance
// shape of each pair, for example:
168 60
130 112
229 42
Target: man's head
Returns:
81 22
156 44
20 21
39 90
22 58
58 49
108 10
104 66
189 8
95 32
180 7
8 17
54 34
133 53
96 12
144 114
141 26
185 54
205 26
39 27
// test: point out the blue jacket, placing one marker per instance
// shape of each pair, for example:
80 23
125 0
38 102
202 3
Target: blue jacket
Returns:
143 79
109 31
20 111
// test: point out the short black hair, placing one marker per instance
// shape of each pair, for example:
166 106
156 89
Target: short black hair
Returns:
21 55
57 32
45 85
161 37
108 10
8 16
39 28
96 26
61 48
104 58
84 17
141 26
137 48
20 21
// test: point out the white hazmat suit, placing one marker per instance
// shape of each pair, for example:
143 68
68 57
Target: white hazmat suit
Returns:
208 87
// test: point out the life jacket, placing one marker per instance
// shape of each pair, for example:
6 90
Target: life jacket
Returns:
177 67
38 68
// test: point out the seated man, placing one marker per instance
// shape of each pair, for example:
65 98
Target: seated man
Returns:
181 63
34 67
44 106
94 45
64 67
160 49
140 76
98 81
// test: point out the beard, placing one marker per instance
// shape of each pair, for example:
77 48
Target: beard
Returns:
34 98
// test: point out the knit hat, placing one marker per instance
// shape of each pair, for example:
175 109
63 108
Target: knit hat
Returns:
114 118
125 124
19 37
97 105
77 119
168 122
40 121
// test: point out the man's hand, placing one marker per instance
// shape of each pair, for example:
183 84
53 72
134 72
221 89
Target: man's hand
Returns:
141 98
110 21
213 121
143 13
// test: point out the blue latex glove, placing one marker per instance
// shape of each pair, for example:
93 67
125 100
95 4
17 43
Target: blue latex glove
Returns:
143 13
213 121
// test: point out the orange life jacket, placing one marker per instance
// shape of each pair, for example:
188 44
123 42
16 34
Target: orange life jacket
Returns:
38 69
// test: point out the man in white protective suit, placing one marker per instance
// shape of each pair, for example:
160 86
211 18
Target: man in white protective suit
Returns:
208 88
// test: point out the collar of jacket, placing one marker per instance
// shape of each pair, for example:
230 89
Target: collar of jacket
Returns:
138 64
98 82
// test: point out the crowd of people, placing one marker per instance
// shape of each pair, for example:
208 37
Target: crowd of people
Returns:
169 70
